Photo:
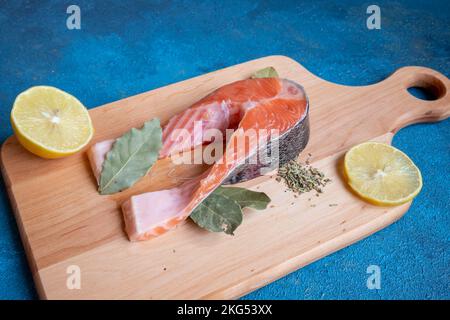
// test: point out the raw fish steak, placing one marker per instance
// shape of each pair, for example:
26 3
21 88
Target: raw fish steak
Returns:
269 118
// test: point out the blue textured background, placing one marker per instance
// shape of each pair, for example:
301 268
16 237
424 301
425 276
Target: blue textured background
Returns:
127 47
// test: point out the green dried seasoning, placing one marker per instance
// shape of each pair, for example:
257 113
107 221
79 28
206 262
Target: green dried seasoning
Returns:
302 178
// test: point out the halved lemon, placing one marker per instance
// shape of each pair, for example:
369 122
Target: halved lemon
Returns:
50 122
382 174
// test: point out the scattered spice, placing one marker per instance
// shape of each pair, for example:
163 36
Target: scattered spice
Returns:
332 205
302 178
309 158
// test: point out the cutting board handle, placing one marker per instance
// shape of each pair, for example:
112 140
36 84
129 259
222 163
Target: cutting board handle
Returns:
417 110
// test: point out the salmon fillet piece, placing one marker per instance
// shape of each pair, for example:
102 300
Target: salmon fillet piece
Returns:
221 110
275 105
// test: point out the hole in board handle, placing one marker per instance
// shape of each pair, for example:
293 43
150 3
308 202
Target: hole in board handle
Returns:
422 93
426 87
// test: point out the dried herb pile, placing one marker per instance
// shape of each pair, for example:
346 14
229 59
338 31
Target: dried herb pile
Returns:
302 178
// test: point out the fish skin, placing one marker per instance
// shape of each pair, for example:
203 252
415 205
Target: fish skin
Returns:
291 144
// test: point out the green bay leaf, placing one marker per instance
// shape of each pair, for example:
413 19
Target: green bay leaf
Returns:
245 197
131 157
218 213
268 72
222 209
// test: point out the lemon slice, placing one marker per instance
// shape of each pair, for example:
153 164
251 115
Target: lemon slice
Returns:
50 122
382 174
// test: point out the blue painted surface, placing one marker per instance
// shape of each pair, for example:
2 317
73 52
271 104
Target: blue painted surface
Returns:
124 49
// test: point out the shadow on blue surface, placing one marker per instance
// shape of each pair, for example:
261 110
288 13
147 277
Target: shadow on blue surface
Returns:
16 281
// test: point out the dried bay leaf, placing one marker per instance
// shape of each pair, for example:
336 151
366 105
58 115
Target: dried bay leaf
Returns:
217 213
131 157
245 197
222 209
268 72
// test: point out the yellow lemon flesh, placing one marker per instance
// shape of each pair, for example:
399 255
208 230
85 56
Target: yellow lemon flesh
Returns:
382 174
50 122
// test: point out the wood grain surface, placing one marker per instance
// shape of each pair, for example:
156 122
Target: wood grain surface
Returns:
63 220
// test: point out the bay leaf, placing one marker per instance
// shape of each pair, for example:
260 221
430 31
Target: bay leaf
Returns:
222 209
245 197
131 157
268 72
218 213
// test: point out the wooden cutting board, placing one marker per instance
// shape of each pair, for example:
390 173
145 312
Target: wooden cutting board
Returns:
64 222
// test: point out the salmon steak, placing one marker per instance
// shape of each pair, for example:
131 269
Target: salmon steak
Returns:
265 122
